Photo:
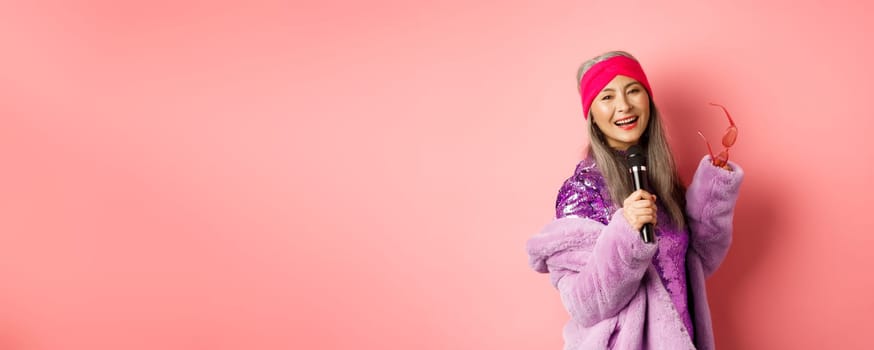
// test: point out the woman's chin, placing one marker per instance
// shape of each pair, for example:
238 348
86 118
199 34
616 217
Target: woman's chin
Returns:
623 143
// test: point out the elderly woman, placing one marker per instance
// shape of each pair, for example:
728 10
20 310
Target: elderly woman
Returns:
622 292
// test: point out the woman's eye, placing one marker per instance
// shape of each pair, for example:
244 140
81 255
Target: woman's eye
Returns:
633 91
606 97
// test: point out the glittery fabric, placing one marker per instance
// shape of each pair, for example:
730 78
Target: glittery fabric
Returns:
585 194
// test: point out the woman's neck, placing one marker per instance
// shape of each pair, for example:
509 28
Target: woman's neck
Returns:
621 153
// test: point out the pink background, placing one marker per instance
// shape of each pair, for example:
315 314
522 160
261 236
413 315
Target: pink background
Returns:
329 175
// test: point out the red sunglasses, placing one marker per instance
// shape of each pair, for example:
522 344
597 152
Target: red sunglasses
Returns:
728 140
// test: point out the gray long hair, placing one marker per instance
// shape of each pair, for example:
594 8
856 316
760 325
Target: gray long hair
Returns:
662 171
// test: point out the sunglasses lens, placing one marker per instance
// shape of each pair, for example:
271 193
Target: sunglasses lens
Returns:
730 137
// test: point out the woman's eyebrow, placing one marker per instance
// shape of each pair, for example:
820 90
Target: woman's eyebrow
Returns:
625 87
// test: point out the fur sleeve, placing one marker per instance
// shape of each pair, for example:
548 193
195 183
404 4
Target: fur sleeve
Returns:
596 268
710 201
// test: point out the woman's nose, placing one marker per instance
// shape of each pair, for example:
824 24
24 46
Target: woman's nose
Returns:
622 104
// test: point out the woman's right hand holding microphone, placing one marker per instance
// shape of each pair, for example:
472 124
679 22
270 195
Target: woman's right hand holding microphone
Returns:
639 209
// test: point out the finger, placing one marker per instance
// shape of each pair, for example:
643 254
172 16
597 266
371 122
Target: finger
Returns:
643 204
645 219
631 204
639 194
640 214
646 195
645 212
632 197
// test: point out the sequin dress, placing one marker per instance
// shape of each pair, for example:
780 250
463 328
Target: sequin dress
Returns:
585 194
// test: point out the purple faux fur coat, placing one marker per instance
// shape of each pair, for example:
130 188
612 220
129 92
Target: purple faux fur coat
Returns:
607 280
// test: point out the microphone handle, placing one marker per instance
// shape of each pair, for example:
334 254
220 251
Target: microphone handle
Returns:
646 233
638 176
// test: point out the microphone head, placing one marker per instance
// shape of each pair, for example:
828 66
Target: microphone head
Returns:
635 156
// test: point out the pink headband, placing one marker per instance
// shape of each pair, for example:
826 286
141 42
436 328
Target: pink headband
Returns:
597 77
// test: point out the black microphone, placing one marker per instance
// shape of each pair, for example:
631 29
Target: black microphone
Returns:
637 167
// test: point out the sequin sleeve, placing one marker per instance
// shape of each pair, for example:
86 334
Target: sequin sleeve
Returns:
581 195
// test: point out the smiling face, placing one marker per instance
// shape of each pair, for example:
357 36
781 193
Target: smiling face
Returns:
621 112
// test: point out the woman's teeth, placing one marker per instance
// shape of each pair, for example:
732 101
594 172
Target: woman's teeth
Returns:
626 121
